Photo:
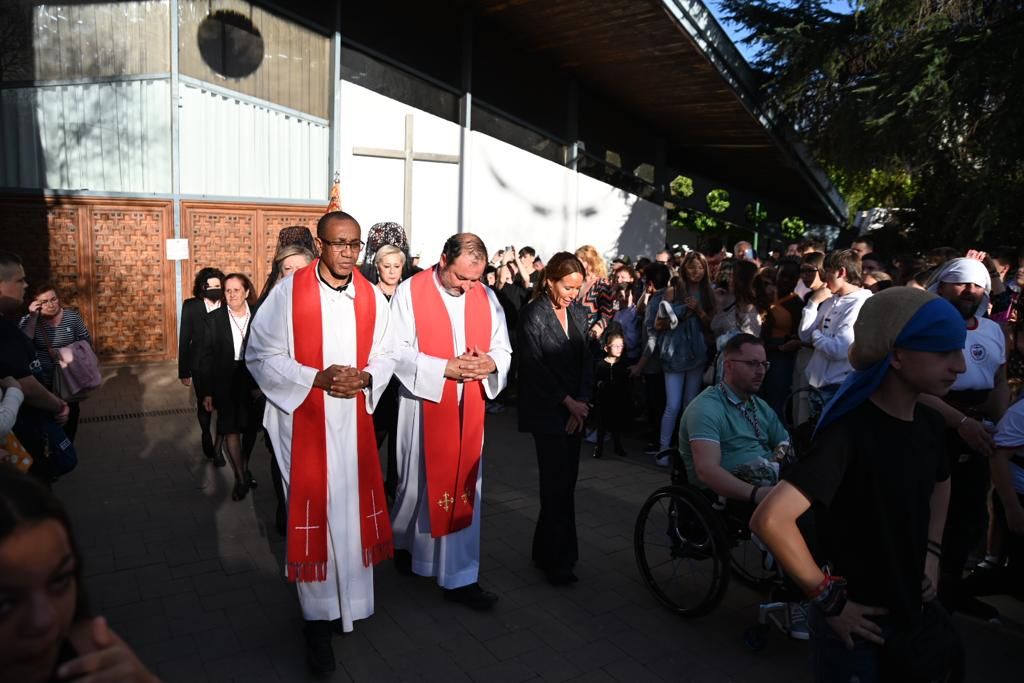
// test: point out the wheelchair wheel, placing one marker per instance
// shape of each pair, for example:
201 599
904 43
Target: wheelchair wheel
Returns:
750 565
682 551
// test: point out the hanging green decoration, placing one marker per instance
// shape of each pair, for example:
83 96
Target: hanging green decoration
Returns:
718 201
793 227
681 187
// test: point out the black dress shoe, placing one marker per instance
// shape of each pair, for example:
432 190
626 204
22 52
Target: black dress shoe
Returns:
319 654
250 481
472 596
218 458
598 452
403 562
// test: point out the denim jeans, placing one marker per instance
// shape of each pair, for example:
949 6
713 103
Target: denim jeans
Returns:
680 389
821 399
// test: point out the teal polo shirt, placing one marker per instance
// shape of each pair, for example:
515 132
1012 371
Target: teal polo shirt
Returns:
716 415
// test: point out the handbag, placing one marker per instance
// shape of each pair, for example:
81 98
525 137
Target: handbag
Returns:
76 373
60 452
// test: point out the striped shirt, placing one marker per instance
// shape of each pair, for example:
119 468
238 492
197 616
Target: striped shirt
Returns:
71 329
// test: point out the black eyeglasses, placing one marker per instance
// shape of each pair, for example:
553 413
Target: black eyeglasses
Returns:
809 269
752 364
342 247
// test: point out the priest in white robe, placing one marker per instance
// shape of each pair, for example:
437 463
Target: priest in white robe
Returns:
320 349
453 350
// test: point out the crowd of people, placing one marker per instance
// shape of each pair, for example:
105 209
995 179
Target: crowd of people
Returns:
894 380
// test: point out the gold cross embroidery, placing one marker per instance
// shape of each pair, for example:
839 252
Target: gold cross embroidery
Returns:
446 502
466 495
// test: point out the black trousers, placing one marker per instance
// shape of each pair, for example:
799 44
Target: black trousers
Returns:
966 520
654 399
554 539
205 419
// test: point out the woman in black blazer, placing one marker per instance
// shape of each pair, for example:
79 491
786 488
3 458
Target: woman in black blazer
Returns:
207 295
555 378
226 385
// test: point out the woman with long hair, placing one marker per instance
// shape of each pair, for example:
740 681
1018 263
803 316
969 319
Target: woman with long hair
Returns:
52 326
737 311
555 383
47 632
288 259
682 346
227 386
598 294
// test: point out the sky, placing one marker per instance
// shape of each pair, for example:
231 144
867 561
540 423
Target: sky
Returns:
736 33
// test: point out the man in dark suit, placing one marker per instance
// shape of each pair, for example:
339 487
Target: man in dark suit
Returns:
207 294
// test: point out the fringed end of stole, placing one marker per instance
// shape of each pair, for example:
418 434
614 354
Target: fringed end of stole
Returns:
377 553
306 572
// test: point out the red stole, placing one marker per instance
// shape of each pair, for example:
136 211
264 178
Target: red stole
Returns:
451 462
307 491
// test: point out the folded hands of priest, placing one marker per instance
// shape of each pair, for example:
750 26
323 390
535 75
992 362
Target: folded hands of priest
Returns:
471 366
342 381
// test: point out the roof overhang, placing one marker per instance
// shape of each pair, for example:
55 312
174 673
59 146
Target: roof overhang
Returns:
669 62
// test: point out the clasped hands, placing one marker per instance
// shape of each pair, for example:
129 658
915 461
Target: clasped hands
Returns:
342 381
472 366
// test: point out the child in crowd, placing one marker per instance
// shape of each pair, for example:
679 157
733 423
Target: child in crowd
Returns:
613 397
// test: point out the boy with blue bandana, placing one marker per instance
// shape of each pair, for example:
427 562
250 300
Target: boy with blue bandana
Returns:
878 481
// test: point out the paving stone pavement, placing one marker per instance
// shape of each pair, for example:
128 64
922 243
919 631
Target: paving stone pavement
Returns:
193 581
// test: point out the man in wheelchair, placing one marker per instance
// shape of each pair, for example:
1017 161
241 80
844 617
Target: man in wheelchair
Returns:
729 437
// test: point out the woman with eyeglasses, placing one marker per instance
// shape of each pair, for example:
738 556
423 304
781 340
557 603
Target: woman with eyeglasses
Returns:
226 385
51 327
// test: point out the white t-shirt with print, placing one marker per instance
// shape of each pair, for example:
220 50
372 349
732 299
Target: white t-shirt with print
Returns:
984 353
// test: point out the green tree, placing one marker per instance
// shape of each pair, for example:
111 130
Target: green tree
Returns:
911 102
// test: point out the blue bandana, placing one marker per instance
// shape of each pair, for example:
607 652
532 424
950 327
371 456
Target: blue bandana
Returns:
936 327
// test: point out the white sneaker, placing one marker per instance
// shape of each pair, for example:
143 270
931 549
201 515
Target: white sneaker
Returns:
663 459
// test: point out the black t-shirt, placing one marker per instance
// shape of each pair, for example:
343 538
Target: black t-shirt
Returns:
18 360
870 477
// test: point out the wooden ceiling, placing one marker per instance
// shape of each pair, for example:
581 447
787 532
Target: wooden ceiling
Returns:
639 56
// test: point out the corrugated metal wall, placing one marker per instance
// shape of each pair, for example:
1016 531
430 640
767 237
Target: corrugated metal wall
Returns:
110 137
235 148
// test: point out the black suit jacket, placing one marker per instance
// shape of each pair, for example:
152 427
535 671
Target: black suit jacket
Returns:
217 354
551 366
190 338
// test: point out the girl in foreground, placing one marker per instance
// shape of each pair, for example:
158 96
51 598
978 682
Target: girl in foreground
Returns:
46 630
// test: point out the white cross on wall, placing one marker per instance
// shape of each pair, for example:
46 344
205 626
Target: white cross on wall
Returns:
408 156
307 527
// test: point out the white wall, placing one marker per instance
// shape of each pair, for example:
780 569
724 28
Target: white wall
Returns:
235 148
515 197
372 188
521 199
113 137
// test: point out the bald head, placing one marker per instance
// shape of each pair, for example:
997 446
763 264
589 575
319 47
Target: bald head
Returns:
464 244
